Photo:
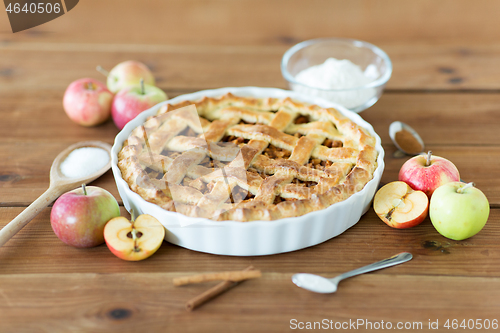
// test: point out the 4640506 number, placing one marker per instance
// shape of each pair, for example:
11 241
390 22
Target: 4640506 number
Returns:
33 8
471 324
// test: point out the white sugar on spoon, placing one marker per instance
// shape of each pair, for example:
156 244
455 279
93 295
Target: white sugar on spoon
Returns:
80 163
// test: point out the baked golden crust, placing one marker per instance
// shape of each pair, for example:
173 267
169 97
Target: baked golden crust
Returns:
246 159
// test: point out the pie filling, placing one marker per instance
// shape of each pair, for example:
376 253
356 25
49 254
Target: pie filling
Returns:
294 158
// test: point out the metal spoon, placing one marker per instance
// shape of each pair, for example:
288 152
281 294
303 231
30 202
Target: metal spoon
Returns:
398 126
319 284
59 184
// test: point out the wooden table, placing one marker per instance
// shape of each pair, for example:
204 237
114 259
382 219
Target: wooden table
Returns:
446 84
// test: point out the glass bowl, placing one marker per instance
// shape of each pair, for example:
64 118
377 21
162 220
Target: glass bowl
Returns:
374 63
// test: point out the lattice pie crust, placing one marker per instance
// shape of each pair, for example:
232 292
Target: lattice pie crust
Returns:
246 159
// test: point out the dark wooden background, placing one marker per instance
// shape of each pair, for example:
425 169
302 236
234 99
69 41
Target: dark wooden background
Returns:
446 84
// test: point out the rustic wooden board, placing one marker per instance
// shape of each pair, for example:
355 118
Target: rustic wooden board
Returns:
25 177
261 22
445 84
370 240
460 127
457 50
136 301
28 66
466 119
455 119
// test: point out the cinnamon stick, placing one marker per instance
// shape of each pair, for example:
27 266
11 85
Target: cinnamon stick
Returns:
212 292
233 276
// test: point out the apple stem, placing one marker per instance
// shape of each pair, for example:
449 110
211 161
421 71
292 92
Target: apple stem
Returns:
90 86
102 71
84 189
468 185
142 86
428 162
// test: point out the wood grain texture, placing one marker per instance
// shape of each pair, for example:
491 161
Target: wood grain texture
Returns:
27 178
261 22
450 44
24 173
130 302
29 66
445 84
468 119
460 127
451 119
370 240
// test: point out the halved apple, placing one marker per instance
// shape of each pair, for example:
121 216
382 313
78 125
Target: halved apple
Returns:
399 206
134 240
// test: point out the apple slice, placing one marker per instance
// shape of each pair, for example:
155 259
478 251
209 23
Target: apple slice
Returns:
134 240
399 206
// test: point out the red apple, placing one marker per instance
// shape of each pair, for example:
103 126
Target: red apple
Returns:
134 240
399 206
427 172
78 217
131 101
129 73
87 102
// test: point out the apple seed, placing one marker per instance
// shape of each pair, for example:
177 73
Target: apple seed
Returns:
137 234
396 203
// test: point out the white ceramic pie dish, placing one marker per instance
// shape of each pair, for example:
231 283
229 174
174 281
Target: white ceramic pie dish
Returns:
256 237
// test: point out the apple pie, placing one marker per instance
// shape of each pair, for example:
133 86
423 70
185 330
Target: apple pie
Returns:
246 159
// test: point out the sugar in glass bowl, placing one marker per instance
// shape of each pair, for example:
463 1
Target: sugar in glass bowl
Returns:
374 64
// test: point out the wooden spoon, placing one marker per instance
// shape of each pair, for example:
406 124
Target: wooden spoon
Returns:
59 184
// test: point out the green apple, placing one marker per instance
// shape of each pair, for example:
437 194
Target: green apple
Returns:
458 210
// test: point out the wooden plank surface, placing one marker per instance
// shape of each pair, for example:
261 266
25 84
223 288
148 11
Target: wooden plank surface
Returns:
445 83
368 241
96 292
445 122
129 302
29 66
468 119
25 176
262 22
456 48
